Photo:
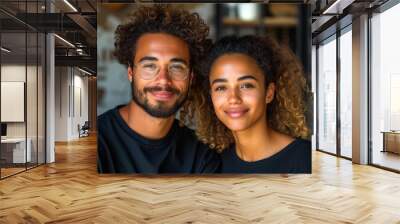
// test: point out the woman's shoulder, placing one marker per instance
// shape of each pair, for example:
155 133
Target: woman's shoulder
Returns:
229 153
298 155
285 141
298 147
301 144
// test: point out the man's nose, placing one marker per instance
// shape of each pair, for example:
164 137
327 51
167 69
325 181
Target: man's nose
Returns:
163 75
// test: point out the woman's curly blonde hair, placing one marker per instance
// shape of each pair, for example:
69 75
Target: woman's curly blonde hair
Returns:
286 113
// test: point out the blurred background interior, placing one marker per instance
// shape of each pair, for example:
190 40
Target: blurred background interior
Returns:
58 73
288 23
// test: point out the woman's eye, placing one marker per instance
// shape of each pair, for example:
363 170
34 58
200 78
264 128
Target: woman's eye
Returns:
246 86
219 88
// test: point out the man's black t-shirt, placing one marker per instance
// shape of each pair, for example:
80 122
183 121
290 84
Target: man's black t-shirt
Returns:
294 158
122 150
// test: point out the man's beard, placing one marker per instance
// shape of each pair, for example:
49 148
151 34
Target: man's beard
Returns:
161 110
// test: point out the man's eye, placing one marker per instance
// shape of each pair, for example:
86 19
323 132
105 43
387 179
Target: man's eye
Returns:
246 86
177 67
150 66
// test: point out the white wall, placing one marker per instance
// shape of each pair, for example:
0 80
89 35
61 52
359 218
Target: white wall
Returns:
33 126
71 94
12 73
62 81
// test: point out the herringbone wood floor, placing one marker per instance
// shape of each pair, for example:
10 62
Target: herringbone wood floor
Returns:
71 191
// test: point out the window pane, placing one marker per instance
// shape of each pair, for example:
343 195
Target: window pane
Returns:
41 98
345 94
385 114
31 97
15 150
327 96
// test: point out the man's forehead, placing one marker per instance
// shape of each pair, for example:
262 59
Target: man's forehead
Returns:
161 45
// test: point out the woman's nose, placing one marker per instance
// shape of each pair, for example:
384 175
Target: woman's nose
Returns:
234 96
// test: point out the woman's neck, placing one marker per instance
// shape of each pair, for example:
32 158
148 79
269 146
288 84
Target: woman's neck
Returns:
259 142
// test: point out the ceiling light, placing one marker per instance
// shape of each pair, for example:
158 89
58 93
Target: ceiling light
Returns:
70 5
79 51
5 49
337 7
65 41
84 71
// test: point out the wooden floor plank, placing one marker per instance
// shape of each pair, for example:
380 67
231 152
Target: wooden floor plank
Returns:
71 191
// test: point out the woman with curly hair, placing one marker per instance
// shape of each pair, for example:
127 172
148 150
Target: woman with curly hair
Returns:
253 107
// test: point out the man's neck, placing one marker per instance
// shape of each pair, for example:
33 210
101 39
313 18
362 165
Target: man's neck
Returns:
143 123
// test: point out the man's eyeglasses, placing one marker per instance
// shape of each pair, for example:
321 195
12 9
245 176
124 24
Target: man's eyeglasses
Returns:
149 70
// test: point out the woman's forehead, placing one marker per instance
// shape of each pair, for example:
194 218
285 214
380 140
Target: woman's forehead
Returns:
233 65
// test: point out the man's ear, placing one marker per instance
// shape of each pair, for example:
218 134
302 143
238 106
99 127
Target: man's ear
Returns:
191 77
130 73
270 93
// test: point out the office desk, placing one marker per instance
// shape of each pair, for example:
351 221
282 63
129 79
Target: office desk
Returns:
16 147
391 141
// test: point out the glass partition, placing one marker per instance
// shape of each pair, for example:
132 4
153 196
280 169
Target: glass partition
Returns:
22 89
13 94
346 93
327 95
31 98
385 89
41 91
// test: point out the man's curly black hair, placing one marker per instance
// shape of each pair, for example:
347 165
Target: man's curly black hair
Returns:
162 18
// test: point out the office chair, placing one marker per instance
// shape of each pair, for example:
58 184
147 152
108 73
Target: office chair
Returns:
84 130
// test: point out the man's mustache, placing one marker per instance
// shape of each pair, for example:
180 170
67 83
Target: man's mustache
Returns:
160 88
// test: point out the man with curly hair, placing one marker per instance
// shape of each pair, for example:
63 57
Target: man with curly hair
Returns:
161 47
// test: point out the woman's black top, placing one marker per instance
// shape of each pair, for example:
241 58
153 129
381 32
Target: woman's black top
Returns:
294 158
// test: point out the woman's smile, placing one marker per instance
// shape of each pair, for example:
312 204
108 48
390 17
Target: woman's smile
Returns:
236 112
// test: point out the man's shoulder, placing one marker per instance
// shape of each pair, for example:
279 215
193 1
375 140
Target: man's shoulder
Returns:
206 160
109 115
187 133
187 136
183 127
106 115
108 120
